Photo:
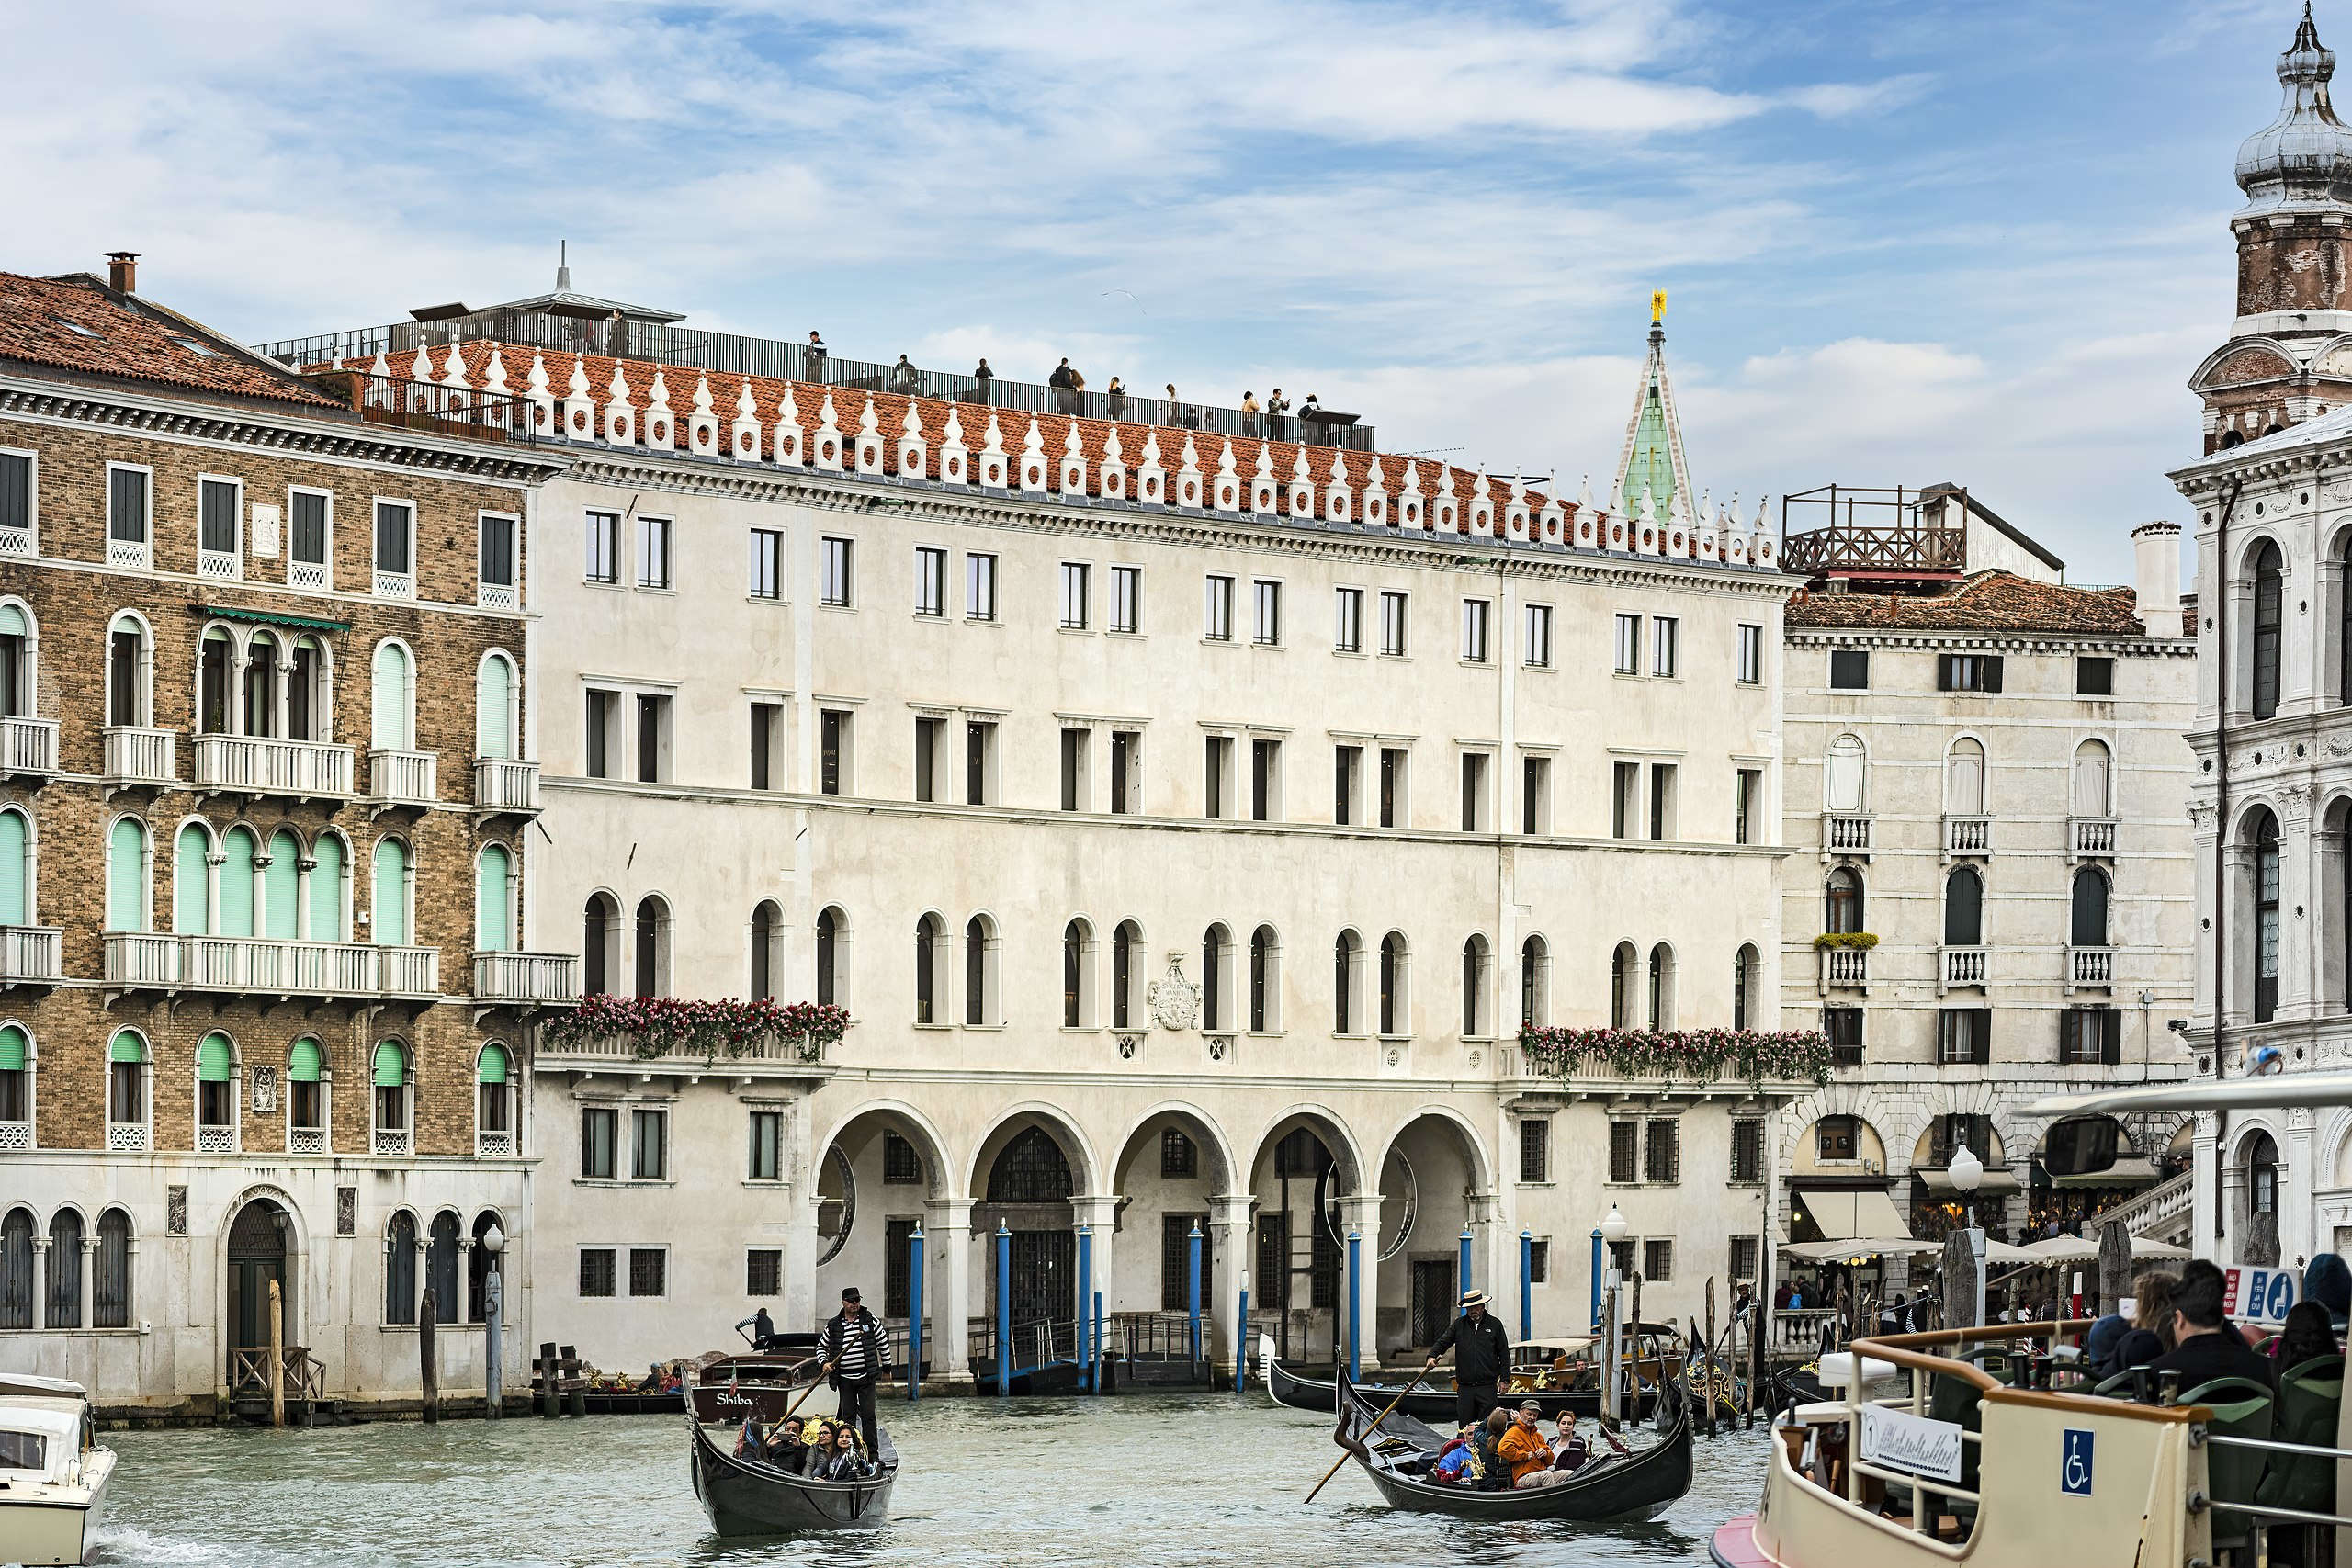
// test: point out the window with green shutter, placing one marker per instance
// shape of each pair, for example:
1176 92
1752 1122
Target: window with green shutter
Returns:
189 916
493 902
302 1063
15 1048
126 877
388 897
127 1048
391 1066
12 869
282 886
390 697
494 1064
493 694
237 852
212 1059
326 890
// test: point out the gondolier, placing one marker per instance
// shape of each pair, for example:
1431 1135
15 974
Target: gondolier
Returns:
1481 1358
855 1352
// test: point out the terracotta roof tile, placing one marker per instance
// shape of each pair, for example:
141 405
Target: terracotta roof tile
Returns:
1987 601
37 322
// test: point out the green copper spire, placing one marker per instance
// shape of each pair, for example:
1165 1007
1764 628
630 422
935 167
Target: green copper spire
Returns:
1652 460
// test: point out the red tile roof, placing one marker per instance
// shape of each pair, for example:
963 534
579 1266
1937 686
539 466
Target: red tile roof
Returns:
137 343
1987 602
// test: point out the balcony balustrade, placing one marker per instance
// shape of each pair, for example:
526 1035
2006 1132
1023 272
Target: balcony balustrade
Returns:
1968 835
501 784
392 1141
407 778
1845 968
265 765
306 1139
536 977
494 1146
1845 833
216 1140
2090 966
28 746
136 756
2090 837
15 1137
31 955
143 960
127 1137
1963 966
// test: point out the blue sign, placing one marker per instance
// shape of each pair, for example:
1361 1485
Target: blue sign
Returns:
2075 1462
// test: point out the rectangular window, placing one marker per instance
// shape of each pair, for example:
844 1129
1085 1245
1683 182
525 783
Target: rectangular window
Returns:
1076 746
1535 796
648 1144
603 546
653 739
1747 784
764 1271
1539 636
1620 1258
1624 801
1964 1035
2094 677
1665 638
1746 1149
596 1272
2090 1037
979 762
1473 792
1265 780
928 734
1662 1150
653 552
901 1167
930 581
1391 625
896 1237
217 515
1663 777
1849 670
395 555
766 1162
15 492
1076 586
307 536
1657 1261
1394 806
497 551
1217 776
767 744
599 1137
649 1272
1837 1138
1127 600
1746 1253
1126 771
836 568
1476 613
1750 660
1347 636
126 505
1968 673
1347 783
1176 1262
833 756
1217 610
1538 1260
1179 1157
1629 645
604 721
1266 622
979 588
1535 1149
767 563
1624 1151
1843 1026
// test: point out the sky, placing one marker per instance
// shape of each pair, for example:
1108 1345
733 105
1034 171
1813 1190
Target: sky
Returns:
1903 242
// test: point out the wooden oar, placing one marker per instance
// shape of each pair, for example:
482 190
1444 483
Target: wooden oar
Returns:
795 1406
1368 1431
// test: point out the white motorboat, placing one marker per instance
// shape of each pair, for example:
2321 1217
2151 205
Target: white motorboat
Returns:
53 1476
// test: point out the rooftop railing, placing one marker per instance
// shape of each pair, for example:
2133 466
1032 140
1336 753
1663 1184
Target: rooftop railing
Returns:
733 353
429 406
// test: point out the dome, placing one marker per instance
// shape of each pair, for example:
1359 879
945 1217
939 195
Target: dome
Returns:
2303 157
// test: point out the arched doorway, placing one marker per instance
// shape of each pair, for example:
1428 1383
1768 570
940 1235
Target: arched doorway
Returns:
877 1174
1030 1183
1428 1180
257 1252
1170 1173
1303 1167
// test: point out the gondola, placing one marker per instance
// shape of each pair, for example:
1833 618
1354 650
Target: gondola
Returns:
1609 1490
746 1497
1302 1392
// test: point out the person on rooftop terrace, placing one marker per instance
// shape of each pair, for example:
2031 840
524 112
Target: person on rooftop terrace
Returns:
1275 404
1248 414
1117 394
983 376
1064 381
903 377
812 359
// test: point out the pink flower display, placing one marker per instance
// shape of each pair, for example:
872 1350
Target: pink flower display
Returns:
1697 1054
674 1026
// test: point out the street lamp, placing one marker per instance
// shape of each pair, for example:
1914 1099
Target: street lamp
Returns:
1613 1227
1967 1173
493 1300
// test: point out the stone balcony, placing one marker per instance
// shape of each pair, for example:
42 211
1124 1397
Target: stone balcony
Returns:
261 764
28 747
766 1056
31 955
402 778
1844 970
1967 836
2090 966
1845 833
268 966
1961 967
503 783
136 756
539 979
2090 837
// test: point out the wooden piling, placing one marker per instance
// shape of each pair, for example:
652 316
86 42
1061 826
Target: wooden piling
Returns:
276 1355
1960 1282
428 1372
2114 1266
1710 1355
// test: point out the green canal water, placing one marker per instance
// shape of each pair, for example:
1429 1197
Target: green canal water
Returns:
1122 1483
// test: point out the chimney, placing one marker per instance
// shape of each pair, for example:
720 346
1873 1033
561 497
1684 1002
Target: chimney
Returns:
122 271
2156 577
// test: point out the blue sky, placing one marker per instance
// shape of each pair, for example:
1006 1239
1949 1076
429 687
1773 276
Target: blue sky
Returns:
1903 243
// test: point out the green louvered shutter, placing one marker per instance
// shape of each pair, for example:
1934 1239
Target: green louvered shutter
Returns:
212 1059
126 1047
326 889
391 1068
494 903
187 881
494 1065
12 870
15 1047
237 884
303 1064
281 887
391 695
126 879
493 692
388 901
12 621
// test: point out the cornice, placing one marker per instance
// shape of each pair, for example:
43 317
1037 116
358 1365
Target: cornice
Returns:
2143 646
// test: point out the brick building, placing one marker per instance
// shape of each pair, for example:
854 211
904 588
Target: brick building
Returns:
263 732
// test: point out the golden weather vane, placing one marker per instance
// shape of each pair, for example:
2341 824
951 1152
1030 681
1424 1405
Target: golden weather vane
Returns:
1658 306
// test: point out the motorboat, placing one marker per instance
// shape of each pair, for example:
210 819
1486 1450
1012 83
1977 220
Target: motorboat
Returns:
52 1474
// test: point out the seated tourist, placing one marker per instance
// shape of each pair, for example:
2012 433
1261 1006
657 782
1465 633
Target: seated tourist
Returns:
787 1450
747 1441
2150 1335
1488 1470
2306 1336
1452 1461
845 1463
1523 1448
1570 1451
2205 1346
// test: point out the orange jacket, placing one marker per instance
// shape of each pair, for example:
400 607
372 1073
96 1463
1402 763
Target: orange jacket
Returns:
1525 1451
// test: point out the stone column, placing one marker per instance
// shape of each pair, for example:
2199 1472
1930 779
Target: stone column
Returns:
2298 925
947 1281
2204 1208
1361 1212
2297 1172
41 1280
1230 1216
1494 1258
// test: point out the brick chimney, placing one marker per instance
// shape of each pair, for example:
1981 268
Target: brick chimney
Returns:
122 271
2156 577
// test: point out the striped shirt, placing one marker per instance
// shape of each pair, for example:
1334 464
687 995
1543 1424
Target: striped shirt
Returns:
857 1353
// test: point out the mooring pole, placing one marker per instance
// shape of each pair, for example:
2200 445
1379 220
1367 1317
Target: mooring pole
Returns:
1526 1286
914 1315
1192 1297
493 1366
1085 1302
1241 1338
1595 1279
1462 1269
276 1355
428 1372
1356 1299
1003 1308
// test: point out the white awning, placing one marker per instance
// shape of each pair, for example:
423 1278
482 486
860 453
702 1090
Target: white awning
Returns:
2128 1171
1854 1251
1854 1214
1995 1183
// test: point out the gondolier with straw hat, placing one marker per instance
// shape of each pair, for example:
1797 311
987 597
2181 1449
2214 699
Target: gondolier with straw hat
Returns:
1481 1358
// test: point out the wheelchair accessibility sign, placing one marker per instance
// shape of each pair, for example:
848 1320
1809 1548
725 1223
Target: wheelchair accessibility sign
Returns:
2075 1462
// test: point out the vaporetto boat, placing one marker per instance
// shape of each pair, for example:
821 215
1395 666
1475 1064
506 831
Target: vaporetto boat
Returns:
52 1475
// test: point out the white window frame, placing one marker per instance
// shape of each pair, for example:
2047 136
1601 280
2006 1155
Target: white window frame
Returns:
1347 631
392 584
650 526
973 612
1404 602
1747 656
1077 613
1477 631
320 574
125 553
928 556
1265 611
619 1255
624 1289
27 544
229 565
1131 623
1628 644
750 571
1537 652
498 595
1214 627
1666 649
589 516
830 595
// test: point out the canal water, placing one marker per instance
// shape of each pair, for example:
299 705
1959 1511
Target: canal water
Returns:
1129 1481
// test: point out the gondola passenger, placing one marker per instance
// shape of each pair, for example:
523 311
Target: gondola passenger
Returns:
844 1463
1525 1451
786 1449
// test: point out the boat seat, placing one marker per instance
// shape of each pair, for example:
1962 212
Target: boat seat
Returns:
1962 1403
2241 1408
2309 1396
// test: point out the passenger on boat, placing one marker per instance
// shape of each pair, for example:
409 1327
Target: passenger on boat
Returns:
856 1353
1488 1470
1452 1462
1481 1358
2151 1331
2306 1334
2329 1283
786 1449
762 1330
1524 1449
2204 1344
844 1463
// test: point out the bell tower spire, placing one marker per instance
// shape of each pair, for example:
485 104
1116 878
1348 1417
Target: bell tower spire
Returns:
1651 459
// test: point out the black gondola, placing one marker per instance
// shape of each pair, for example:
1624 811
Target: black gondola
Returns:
746 1497
1609 1490
1301 1392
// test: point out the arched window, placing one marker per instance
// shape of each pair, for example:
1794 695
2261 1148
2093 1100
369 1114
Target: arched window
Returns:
16 1269
127 1091
216 679
931 935
1078 989
110 1288
191 877
2093 795
1347 984
16 870
494 1095
2089 925
393 700
129 674
63 1308
1031 1169
1127 973
2262 1174
400 1269
238 852
1661 997
2262 831
599 944
1265 981
330 890
1476 974
495 900
391 1095
1964 778
1535 983
17 1085
281 887
310 692
261 685
1845 911
387 895
1394 1013
478 1267
306 1098
1964 909
979 971
19 679
1747 976
1217 945
1622 963
1842 777
216 1094
833 949
2344 623
651 952
441 1267
127 900
767 923
494 708
2269 621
